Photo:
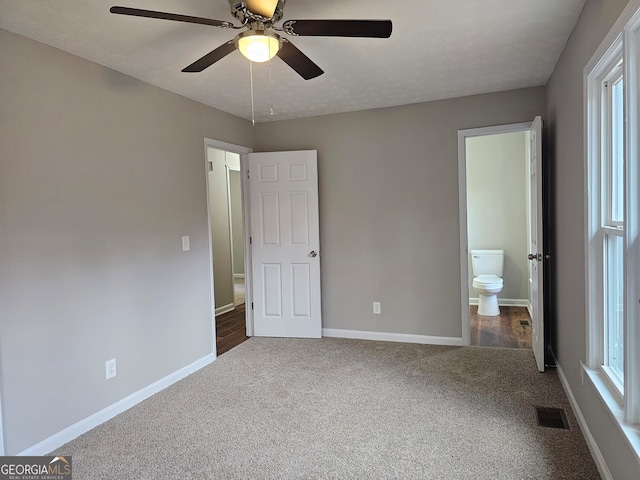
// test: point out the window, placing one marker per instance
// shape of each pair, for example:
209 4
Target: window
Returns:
612 100
611 234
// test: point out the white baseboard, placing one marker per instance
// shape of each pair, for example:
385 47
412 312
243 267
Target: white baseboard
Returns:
598 458
505 302
57 440
225 308
391 337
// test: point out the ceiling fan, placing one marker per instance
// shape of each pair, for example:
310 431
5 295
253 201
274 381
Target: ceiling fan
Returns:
260 42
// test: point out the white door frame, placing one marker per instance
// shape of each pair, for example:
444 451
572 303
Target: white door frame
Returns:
246 222
462 205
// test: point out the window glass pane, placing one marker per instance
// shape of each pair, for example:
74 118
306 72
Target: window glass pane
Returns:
617 151
614 339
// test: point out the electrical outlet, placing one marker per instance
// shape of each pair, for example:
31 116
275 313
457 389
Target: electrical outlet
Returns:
111 368
185 243
377 309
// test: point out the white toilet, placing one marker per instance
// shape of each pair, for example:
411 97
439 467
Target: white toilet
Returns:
487 272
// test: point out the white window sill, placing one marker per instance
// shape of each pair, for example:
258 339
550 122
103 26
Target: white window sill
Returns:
613 401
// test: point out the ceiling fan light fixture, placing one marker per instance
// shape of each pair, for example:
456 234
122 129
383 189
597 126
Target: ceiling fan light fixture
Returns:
258 45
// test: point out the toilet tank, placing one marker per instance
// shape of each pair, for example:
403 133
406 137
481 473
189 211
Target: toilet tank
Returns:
487 262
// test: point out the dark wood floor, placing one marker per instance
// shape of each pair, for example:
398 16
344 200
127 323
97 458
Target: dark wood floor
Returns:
231 329
511 329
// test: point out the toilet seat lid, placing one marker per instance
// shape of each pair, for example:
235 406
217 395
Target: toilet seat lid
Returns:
487 280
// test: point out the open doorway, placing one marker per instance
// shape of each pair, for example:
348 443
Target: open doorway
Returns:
497 233
498 168
228 243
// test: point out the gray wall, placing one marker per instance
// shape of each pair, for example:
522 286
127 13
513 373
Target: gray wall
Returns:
497 206
389 223
100 177
220 229
565 156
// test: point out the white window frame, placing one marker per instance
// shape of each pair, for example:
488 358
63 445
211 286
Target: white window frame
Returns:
622 42
616 73
610 71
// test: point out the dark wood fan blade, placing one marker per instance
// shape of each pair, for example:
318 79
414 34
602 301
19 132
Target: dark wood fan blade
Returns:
136 12
339 28
211 57
264 8
297 60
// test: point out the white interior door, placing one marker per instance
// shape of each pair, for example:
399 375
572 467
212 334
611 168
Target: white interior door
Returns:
536 254
285 236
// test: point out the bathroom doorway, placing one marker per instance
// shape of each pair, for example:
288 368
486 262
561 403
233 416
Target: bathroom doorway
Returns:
495 201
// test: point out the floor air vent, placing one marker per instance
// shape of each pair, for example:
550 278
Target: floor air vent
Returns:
551 417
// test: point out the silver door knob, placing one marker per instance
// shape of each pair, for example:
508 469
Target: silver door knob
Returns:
313 253
532 256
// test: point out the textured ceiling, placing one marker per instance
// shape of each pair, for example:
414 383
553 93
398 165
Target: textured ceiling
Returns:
438 49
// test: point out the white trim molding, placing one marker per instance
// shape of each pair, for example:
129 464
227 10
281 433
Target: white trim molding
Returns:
57 440
392 337
598 458
225 309
505 302
613 402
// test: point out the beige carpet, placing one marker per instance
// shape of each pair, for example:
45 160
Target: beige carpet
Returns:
343 409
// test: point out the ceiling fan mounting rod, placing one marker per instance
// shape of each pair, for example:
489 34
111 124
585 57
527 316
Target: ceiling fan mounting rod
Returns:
257 26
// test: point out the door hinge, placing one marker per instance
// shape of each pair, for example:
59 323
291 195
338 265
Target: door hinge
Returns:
251 305
250 241
248 174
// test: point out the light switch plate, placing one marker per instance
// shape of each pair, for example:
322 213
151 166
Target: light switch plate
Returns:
185 244
377 309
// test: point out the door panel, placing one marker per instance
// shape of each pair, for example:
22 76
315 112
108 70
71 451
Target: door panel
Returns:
536 255
285 244
272 289
299 219
270 221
